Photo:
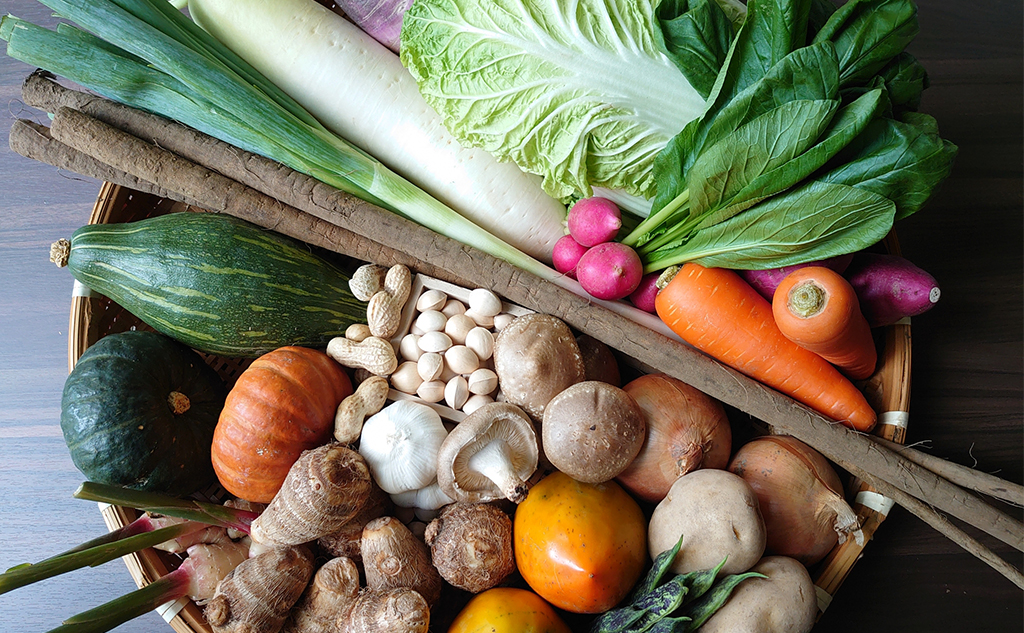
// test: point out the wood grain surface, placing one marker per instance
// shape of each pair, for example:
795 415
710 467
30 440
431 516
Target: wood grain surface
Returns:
968 356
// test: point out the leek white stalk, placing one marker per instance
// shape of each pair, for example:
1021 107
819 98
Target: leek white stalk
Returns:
359 90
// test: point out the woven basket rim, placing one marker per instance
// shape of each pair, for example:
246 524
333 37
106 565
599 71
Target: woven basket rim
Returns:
888 389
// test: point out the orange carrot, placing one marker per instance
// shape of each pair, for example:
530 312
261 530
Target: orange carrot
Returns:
717 312
817 309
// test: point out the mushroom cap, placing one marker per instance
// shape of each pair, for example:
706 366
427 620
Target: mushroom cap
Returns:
497 421
592 431
536 356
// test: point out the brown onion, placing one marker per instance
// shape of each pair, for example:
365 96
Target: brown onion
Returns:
800 495
686 430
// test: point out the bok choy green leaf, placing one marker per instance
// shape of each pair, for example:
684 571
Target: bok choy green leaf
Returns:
751 183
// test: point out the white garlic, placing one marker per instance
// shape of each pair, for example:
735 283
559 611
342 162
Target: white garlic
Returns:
431 321
475 402
481 341
452 307
431 391
458 326
406 378
434 342
484 302
408 347
456 392
431 300
461 359
430 365
482 382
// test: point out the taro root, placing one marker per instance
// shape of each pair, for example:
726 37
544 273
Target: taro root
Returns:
398 610
471 545
490 455
536 357
393 557
324 489
325 605
346 540
592 431
257 596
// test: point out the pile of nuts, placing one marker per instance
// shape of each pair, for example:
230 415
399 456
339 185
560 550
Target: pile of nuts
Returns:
446 355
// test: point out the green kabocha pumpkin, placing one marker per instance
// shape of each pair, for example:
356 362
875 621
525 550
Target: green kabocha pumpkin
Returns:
139 410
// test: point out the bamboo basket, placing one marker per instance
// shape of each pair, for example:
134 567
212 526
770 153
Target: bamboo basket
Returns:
93 317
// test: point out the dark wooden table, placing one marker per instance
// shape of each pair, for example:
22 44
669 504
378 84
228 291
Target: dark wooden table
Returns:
967 352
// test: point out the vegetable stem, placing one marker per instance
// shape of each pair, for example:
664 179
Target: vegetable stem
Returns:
102 550
207 513
656 219
129 606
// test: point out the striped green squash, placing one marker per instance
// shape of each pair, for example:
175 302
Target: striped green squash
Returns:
216 283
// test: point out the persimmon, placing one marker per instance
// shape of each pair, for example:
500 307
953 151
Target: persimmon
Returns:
580 546
508 610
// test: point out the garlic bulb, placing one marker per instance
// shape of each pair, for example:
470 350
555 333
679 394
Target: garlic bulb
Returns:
400 445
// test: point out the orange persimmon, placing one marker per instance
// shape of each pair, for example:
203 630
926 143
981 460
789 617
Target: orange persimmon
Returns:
816 308
580 546
508 610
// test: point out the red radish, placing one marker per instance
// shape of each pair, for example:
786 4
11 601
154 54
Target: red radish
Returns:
566 254
645 294
766 281
382 20
890 288
594 221
610 271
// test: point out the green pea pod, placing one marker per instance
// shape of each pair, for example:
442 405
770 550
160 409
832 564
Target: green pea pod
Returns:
698 582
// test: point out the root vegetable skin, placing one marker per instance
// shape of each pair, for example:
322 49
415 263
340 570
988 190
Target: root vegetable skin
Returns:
327 602
566 255
646 292
394 558
324 489
686 430
717 312
717 514
817 309
766 281
800 497
594 221
471 545
380 20
784 602
609 271
257 596
398 610
891 288
346 540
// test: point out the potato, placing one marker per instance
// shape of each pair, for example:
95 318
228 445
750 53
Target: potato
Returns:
785 602
717 514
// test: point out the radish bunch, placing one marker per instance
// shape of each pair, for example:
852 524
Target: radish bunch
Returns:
605 269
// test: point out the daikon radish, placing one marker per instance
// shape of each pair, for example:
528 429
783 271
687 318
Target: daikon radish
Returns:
359 89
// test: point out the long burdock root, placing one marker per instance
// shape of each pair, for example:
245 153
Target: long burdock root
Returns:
324 489
328 600
399 610
257 596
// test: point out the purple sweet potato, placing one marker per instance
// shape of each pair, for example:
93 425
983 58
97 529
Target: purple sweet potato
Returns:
890 287
766 281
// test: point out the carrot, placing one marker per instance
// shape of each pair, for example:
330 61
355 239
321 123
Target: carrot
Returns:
717 312
817 309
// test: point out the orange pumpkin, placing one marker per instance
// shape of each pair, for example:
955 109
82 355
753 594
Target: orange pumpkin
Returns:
282 404
508 610
580 546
